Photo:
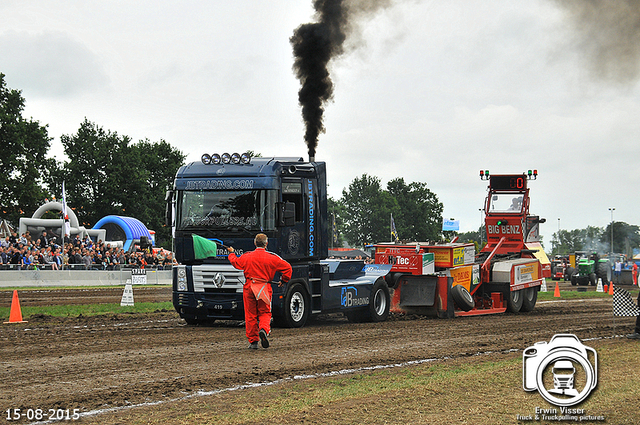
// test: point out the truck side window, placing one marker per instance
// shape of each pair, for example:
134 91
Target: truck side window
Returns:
297 200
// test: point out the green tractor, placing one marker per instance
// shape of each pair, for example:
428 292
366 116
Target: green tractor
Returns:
589 268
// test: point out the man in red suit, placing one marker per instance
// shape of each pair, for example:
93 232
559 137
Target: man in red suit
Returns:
259 268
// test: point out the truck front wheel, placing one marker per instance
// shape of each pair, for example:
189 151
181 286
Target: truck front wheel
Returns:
514 301
296 307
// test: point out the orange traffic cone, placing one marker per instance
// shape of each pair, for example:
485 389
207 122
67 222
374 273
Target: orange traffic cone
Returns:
16 314
611 289
556 293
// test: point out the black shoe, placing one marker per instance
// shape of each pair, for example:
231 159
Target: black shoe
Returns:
634 336
253 345
263 338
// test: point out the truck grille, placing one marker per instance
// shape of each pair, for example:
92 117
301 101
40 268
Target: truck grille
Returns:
217 278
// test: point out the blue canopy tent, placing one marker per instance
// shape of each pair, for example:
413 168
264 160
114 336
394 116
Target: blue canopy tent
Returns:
126 229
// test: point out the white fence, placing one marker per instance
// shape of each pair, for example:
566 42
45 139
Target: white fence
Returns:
23 278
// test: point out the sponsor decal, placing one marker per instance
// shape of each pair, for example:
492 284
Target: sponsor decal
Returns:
349 297
311 219
293 242
462 276
506 229
213 184
525 273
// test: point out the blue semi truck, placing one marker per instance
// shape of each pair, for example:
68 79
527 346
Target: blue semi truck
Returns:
228 199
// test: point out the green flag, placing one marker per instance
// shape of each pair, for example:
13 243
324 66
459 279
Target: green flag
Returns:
203 248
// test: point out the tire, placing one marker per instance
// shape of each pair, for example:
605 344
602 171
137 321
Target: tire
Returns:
379 301
593 279
379 305
529 298
514 301
574 279
392 279
296 307
462 298
603 271
568 273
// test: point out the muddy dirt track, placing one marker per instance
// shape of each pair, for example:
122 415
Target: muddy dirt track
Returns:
100 362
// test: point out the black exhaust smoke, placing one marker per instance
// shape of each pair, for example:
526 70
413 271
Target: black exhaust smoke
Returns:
608 36
314 45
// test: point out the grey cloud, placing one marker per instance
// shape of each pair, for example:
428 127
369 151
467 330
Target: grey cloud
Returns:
49 64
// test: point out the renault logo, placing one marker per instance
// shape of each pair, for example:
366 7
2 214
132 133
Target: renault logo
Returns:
219 280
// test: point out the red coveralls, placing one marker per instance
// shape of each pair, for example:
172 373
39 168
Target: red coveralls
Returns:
260 265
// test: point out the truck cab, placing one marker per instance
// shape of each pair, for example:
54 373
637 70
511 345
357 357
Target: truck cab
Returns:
228 199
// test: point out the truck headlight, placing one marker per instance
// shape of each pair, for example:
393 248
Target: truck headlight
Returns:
181 281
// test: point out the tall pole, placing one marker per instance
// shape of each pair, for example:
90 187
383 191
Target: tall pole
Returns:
558 238
612 210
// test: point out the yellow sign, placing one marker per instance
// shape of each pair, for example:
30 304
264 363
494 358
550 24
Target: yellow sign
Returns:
462 276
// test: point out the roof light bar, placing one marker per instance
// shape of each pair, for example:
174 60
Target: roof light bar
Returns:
225 158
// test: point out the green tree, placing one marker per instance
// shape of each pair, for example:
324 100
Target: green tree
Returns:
336 213
106 175
419 213
625 237
367 211
22 159
569 241
157 166
477 237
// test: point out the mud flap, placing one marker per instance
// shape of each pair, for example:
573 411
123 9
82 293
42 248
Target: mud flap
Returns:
424 295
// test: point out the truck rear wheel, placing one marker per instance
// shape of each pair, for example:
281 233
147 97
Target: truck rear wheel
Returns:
462 298
296 307
380 301
514 301
379 304
529 298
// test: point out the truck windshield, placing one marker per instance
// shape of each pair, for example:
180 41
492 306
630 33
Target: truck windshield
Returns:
506 202
247 209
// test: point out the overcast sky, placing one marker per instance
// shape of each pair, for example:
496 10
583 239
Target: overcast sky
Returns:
427 90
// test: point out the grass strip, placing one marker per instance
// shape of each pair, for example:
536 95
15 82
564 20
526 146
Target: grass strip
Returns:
573 294
88 309
468 390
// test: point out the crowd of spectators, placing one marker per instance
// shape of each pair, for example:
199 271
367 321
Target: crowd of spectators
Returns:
45 252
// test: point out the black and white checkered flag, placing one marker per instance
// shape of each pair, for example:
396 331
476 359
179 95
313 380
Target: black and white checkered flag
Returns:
623 304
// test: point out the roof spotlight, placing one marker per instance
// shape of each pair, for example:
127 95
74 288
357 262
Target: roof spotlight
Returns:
206 159
226 158
235 158
245 158
215 158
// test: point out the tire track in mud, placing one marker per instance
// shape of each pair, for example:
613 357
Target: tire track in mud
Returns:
104 362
